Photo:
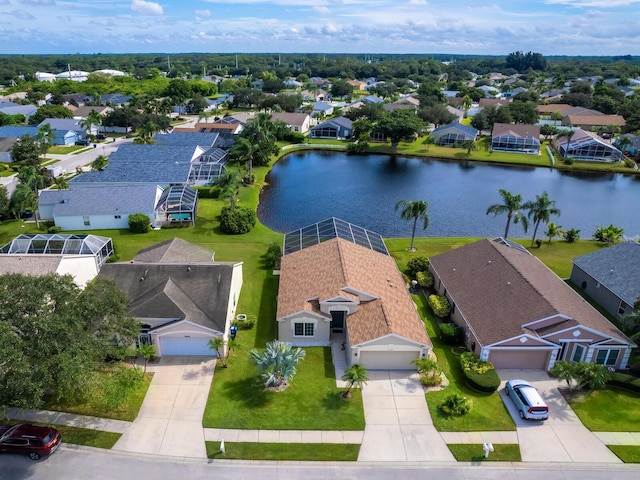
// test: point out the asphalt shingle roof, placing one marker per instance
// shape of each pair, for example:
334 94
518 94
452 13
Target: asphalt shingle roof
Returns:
175 250
111 200
616 267
17 132
464 129
204 140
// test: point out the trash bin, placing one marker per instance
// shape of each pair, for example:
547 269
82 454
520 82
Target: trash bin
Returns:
233 330
94 145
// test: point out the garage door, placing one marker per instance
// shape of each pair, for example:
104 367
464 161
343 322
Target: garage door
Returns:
185 346
386 360
519 358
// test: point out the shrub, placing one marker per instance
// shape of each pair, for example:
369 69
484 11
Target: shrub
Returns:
425 279
237 221
273 255
294 137
480 374
139 223
418 264
626 381
208 192
568 161
54 229
471 362
455 404
430 372
440 305
246 324
629 163
451 334
571 235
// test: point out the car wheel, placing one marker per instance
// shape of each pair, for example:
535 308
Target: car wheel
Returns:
521 414
34 455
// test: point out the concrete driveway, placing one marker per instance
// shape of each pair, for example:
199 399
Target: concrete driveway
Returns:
561 438
170 420
399 426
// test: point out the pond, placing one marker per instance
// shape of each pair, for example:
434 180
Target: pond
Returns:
306 187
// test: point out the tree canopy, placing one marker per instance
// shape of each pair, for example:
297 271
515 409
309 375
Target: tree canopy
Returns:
52 333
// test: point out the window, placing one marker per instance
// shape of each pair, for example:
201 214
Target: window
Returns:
577 354
303 329
453 308
117 217
86 221
607 357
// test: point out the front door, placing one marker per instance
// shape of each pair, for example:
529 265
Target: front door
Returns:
337 322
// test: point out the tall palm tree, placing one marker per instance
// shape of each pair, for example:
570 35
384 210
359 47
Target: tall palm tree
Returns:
540 210
99 163
243 151
414 210
94 118
61 183
229 186
511 205
355 376
45 137
277 363
568 134
22 199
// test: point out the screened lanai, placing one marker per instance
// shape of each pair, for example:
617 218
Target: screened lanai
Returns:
60 244
587 146
332 228
177 204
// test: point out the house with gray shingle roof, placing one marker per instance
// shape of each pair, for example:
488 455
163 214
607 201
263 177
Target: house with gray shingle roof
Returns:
341 287
10 108
339 128
610 276
453 134
181 301
515 312
99 207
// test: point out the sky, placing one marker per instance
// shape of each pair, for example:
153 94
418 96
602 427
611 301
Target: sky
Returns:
493 27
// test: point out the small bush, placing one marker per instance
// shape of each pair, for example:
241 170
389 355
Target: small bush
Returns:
418 264
425 279
626 381
246 324
208 192
240 220
568 161
294 137
451 334
455 404
430 372
440 305
469 361
629 163
480 374
273 256
54 229
139 223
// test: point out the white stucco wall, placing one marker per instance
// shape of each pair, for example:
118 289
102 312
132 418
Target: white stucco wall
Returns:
97 222
321 335
234 296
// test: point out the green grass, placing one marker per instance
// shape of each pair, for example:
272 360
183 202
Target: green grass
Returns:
319 452
88 437
59 150
626 453
471 452
597 412
311 402
91 405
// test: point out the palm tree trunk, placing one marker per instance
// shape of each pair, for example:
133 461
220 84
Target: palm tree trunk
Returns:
535 230
506 229
413 233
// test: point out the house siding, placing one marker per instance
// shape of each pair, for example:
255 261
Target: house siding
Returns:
600 294
322 331
97 222
234 295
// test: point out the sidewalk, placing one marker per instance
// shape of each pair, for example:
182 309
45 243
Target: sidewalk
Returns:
283 436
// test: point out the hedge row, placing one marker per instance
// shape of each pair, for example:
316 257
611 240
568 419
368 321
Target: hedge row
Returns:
440 305
480 374
626 381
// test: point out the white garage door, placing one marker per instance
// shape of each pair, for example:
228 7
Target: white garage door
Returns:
186 346
386 360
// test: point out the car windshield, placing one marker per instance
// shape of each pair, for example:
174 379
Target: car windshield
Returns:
8 432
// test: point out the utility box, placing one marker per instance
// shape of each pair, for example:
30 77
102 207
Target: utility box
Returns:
56 171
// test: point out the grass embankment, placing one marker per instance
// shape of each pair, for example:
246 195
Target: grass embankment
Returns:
318 452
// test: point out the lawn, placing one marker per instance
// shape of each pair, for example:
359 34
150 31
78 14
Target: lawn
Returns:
596 413
469 452
97 402
81 436
626 453
312 401
58 150
317 452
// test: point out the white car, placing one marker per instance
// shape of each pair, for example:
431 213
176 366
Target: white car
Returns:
527 400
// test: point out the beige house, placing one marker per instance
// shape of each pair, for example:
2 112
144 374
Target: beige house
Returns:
340 291
517 313
297 122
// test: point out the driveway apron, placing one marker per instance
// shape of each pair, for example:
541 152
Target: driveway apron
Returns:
399 426
561 438
170 419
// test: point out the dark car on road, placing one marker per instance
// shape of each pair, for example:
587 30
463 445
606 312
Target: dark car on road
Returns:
32 440
84 143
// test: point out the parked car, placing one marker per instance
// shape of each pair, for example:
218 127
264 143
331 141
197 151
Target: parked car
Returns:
527 400
101 136
32 440
84 143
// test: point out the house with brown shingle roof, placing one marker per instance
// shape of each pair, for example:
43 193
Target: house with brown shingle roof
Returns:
517 138
336 290
590 121
297 122
517 313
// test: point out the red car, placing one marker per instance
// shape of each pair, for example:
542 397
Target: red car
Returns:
31 440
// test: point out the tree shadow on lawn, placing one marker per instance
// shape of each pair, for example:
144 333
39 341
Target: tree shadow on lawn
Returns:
249 391
329 369
333 401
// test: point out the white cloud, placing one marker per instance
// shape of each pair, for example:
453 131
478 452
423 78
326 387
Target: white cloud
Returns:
146 8
593 3
322 10
202 14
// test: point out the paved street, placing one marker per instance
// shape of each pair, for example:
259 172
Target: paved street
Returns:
82 463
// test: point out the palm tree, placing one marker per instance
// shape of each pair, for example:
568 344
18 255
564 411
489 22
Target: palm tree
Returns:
470 145
22 199
511 205
45 136
222 348
630 322
85 123
229 186
540 210
243 151
568 134
99 163
553 230
414 210
355 376
624 141
145 133
277 363
148 352
94 118
61 183
466 102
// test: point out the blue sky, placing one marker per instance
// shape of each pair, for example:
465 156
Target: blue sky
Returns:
551 27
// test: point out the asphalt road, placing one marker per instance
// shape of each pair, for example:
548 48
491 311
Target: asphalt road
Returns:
82 463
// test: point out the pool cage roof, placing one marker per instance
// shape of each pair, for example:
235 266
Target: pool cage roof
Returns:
329 229
178 199
60 244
